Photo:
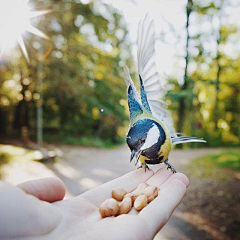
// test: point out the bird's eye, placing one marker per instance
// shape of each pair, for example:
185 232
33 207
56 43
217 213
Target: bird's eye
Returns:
142 141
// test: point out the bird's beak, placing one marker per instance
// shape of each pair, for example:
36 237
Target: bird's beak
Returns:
132 155
135 155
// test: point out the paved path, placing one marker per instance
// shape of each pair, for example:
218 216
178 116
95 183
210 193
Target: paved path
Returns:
84 168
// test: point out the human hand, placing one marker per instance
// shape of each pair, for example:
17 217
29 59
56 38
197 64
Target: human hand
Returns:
47 216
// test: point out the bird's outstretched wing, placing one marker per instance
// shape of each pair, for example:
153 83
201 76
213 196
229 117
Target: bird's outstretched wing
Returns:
151 87
150 84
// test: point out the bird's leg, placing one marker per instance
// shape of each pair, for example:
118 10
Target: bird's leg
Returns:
145 166
170 166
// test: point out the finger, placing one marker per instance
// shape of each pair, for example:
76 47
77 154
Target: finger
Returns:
157 213
160 177
28 216
128 182
180 176
46 189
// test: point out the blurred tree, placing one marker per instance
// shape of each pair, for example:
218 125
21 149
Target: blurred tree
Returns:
219 87
185 85
83 83
207 104
84 93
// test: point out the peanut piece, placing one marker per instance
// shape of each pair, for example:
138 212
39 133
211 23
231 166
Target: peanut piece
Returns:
140 202
118 194
135 194
142 186
131 196
109 208
127 195
138 191
151 192
125 206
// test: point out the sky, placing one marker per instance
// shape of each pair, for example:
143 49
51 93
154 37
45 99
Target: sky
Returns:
172 10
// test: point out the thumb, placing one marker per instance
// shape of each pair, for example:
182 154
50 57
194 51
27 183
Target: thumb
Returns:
46 189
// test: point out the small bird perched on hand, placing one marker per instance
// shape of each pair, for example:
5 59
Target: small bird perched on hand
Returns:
151 132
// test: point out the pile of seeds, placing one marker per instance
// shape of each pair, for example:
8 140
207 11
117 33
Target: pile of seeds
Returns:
122 202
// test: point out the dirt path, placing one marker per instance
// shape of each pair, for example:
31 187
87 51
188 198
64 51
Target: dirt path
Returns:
84 168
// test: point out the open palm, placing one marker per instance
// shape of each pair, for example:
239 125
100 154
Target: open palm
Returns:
35 209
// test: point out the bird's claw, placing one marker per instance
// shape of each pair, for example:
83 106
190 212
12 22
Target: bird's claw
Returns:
173 169
170 166
145 166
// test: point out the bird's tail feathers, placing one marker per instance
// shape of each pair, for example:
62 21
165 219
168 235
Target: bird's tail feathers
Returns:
185 139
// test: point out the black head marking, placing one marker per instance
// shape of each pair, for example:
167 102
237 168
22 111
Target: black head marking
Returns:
138 133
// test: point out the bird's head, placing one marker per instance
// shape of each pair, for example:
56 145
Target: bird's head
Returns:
145 138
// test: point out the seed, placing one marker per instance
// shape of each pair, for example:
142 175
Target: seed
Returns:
109 208
142 186
125 206
118 194
140 202
151 192
138 191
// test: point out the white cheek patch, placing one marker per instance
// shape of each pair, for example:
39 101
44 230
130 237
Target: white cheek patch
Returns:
152 137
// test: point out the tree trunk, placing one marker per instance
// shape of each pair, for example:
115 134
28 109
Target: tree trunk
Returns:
216 110
21 117
182 100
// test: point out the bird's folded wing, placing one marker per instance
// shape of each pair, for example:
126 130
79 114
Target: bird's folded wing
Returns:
147 70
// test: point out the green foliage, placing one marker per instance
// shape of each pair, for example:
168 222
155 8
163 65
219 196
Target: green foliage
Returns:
82 76
10 153
5 158
215 166
71 139
211 89
84 94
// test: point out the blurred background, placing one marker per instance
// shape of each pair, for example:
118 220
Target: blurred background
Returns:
63 105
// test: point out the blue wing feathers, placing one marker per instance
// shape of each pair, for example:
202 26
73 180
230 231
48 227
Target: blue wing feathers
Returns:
144 97
135 108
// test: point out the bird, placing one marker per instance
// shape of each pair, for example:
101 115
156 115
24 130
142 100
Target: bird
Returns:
151 132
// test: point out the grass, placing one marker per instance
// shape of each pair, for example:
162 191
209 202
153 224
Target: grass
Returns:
9 153
215 166
63 138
